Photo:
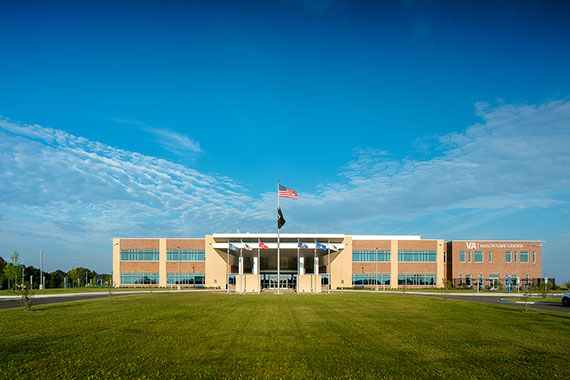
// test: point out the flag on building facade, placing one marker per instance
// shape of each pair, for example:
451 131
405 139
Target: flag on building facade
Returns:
303 245
280 218
261 245
247 247
321 246
233 247
285 192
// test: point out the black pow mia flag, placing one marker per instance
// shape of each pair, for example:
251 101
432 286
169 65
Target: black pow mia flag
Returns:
280 218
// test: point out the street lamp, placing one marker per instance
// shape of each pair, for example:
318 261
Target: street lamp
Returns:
179 253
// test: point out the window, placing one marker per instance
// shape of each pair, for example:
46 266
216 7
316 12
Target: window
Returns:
417 279
185 278
478 257
417 256
515 256
186 255
508 256
368 279
139 254
462 256
139 278
444 257
469 256
370 256
490 256
468 279
524 256
461 280
533 257
325 279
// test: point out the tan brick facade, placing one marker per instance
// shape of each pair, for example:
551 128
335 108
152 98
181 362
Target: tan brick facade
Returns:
443 260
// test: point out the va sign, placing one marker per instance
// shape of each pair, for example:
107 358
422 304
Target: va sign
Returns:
471 245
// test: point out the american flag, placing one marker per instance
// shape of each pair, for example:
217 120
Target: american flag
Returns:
285 192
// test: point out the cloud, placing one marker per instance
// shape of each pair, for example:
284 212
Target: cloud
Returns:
175 142
518 157
172 141
55 186
52 180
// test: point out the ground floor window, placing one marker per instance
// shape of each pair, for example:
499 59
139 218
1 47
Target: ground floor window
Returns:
185 278
325 280
363 279
139 278
417 279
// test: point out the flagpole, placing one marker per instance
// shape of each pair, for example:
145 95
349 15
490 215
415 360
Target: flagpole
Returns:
227 264
278 253
258 269
329 268
298 266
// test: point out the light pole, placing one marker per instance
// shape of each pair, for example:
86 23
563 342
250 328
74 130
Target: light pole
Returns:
179 258
41 269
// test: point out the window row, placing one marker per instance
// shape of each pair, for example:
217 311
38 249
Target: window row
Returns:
370 279
139 278
185 255
510 256
185 278
139 254
417 279
371 256
417 256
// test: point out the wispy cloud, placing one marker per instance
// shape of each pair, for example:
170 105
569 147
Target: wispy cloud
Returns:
57 186
55 182
173 142
518 157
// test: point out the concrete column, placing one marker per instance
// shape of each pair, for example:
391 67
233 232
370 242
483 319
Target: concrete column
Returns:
301 266
240 265
316 261
440 266
162 256
254 269
394 264
216 265
116 262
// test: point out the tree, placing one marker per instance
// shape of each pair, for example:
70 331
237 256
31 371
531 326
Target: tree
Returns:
13 270
22 289
3 280
56 279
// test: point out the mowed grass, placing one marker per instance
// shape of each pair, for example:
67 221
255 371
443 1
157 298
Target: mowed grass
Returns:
204 335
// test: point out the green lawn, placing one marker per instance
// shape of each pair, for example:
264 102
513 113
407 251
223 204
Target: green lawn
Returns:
358 335
83 289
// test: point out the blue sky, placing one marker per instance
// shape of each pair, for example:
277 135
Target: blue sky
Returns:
165 119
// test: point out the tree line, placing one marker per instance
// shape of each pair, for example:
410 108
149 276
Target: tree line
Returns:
13 273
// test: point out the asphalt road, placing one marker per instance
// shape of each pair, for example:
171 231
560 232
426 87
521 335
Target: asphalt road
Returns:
13 303
496 300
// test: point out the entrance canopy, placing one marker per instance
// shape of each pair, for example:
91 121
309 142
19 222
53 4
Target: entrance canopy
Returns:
288 243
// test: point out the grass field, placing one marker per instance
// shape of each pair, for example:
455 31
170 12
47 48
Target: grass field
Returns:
204 335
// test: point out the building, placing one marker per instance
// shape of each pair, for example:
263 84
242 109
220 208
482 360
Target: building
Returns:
247 262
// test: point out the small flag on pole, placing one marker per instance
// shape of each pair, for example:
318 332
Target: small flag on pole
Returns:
233 247
247 247
303 245
261 245
280 218
285 192
321 246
